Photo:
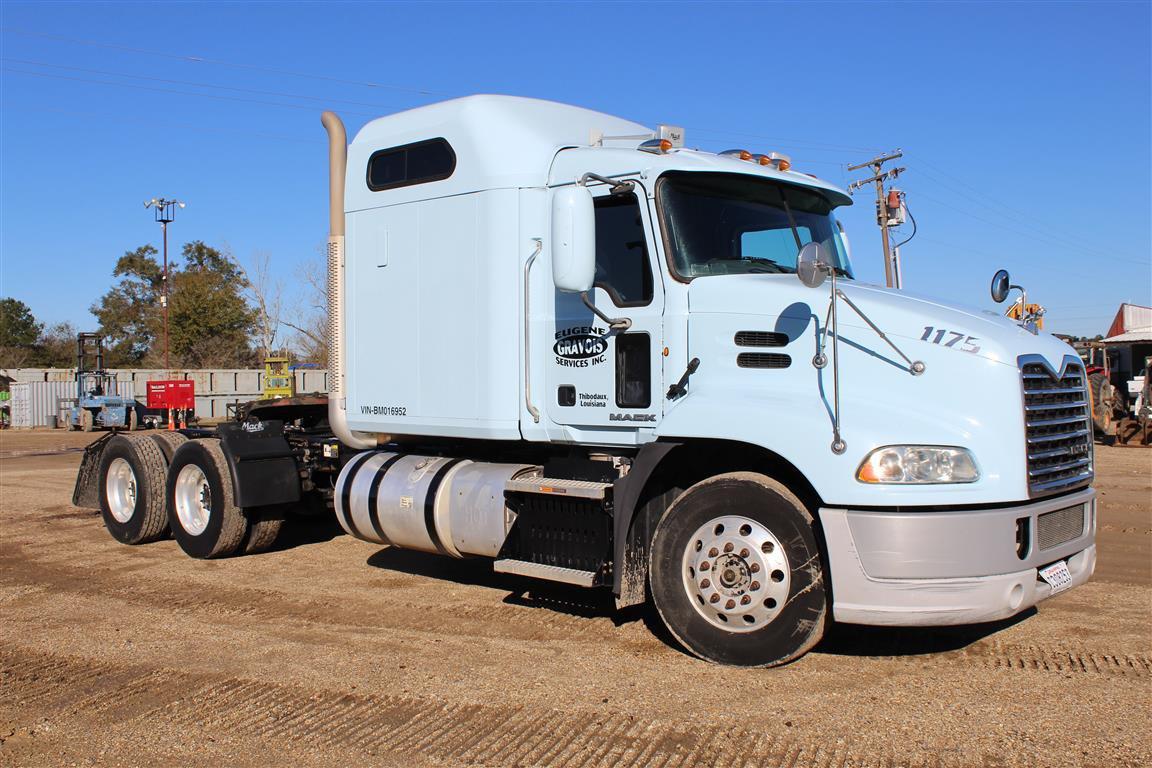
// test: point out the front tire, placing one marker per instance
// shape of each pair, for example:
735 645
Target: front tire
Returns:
204 518
132 490
735 572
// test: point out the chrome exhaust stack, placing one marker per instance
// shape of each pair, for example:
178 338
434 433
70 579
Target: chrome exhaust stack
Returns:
337 401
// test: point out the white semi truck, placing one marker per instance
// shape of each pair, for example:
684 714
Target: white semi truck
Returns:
566 342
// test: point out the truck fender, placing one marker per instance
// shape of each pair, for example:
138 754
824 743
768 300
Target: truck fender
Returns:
261 463
630 557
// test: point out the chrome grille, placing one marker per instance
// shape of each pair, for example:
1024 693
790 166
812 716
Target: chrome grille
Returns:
1055 528
1058 427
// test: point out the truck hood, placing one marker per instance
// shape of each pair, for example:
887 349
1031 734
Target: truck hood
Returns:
912 322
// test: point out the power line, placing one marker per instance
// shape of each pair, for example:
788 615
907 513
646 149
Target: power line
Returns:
218 62
323 99
1052 239
134 120
1000 206
1039 230
171 90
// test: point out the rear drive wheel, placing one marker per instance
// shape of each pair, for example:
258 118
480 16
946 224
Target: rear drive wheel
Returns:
168 443
87 420
205 520
735 572
130 420
132 490
264 524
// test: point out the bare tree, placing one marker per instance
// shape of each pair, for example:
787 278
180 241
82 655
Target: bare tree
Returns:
309 319
266 294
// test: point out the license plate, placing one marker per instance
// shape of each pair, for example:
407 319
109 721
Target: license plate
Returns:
1057 575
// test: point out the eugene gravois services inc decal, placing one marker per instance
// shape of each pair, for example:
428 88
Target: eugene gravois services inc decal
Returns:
580 346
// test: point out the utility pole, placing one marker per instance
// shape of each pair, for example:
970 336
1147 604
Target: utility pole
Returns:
879 176
165 214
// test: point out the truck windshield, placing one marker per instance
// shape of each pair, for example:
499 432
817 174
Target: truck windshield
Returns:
730 224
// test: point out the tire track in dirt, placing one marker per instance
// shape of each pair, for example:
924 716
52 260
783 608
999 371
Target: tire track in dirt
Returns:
523 622
488 734
491 620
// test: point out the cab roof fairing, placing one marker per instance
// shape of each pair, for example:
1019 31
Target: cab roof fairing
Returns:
500 142
572 163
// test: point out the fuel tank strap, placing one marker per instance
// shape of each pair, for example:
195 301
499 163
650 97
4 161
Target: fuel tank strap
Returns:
374 502
430 504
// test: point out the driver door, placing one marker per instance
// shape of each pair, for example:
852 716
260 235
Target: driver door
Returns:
599 377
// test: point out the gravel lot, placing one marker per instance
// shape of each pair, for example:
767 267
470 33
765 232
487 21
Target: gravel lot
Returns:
332 651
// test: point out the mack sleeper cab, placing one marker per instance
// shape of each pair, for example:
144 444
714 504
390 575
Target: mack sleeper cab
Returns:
571 344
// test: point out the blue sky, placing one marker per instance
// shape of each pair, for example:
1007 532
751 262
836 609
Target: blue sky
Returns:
1026 126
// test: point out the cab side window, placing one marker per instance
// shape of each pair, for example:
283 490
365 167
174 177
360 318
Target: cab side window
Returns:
622 265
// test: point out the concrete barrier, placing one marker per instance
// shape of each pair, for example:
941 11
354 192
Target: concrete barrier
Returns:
216 388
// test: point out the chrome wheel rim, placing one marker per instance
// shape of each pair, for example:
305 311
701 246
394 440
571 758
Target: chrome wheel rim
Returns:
736 574
121 490
193 499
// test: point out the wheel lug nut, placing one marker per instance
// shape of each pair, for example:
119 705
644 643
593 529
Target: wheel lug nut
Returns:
743 553
728 547
713 552
755 567
745 600
730 604
754 586
705 584
705 565
714 599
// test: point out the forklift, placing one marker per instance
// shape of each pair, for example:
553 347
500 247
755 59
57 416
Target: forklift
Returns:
97 406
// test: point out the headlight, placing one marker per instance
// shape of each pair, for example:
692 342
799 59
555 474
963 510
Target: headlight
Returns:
912 464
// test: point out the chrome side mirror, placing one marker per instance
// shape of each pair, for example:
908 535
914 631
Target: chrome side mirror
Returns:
1000 286
811 270
573 239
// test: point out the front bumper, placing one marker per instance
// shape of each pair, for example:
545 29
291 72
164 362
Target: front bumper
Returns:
959 567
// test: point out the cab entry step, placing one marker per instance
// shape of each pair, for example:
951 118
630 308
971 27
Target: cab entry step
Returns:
579 489
546 572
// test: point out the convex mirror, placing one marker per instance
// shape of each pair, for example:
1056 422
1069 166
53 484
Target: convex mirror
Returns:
1000 286
810 268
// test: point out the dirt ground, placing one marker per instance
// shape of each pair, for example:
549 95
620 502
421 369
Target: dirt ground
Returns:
332 651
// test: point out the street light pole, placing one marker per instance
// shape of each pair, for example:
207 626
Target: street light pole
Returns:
165 214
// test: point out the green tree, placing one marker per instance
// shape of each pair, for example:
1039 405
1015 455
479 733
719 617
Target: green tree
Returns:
19 332
130 314
210 322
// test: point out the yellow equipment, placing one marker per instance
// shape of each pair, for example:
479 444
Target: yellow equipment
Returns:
279 381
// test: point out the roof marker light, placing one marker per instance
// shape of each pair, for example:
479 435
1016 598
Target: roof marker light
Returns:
739 154
655 146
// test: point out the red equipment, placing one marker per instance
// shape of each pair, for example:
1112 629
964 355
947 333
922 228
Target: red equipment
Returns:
172 395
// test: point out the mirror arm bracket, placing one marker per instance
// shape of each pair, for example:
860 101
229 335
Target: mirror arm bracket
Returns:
618 187
618 324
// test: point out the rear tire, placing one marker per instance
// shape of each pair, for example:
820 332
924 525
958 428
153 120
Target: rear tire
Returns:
132 482
264 524
735 572
204 518
130 420
168 443
87 420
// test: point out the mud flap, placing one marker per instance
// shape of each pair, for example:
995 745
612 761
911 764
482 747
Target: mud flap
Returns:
87 491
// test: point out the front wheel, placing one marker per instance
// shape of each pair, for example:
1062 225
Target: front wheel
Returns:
735 572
